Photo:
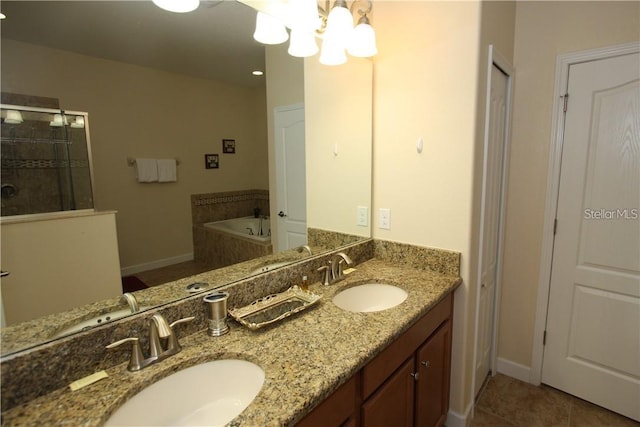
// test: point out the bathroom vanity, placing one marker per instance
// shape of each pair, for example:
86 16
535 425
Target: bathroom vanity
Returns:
325 366
406 384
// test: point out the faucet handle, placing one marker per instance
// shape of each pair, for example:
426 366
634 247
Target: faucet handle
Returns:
184 320
136 359
173 345
326 274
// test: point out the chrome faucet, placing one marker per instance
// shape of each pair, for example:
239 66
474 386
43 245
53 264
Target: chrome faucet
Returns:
334 272
162 343
302 248
337 269
132 301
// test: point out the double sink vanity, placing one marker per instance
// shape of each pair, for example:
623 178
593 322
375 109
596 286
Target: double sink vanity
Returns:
373 351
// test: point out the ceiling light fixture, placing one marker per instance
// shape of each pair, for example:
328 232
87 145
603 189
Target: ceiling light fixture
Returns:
307 20
257 73
178 6
269 30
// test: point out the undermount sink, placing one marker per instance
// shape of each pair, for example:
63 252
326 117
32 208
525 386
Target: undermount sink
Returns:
370 297
211 394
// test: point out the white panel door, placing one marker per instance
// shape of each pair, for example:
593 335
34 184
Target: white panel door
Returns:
493 177
291 200
593 324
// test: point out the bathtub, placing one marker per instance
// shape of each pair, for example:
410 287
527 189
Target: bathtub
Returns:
241 226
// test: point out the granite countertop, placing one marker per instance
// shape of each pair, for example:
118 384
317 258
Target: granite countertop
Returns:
305 357
46 328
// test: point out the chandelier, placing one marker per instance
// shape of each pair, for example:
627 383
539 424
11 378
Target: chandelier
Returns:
308 21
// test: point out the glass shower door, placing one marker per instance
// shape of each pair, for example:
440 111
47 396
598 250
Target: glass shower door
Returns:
45 161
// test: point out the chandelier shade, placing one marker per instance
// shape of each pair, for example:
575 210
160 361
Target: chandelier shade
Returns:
269 29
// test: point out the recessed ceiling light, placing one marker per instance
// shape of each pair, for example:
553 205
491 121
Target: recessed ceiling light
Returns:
3 16
257 73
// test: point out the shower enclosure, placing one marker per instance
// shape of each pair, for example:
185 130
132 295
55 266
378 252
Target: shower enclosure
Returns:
45 161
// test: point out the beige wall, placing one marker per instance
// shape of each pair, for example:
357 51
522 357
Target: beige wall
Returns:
285 86
142 112
425 86
79 254
338 114
543 30
431 84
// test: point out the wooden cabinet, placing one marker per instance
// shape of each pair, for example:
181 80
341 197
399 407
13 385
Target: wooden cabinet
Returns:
339 409
433 364
407 384
392 403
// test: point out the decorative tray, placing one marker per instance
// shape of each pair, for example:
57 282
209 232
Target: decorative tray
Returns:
272 308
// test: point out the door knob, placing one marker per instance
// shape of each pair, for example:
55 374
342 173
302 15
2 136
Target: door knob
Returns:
282 214
425 363
4 273
415 375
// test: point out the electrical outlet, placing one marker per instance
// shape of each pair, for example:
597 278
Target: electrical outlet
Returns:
363 216
385 219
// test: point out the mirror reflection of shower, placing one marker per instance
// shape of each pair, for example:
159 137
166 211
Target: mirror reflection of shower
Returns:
46 165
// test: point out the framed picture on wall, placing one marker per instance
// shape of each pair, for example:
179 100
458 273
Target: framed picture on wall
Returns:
229 146
211 161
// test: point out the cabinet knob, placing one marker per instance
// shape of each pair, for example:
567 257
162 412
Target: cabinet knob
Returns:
425 363
415 375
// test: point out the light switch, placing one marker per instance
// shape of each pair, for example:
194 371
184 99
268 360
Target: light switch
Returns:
363 216
385 219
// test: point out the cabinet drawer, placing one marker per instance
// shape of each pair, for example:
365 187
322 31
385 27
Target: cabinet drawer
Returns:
384 364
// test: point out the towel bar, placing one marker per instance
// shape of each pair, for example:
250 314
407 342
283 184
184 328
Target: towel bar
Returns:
132 162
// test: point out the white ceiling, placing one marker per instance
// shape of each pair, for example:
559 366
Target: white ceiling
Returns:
214 41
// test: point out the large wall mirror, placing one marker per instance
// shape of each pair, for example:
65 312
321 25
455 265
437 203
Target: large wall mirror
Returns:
162 85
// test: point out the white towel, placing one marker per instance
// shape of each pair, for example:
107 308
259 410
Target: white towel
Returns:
147 170
167 170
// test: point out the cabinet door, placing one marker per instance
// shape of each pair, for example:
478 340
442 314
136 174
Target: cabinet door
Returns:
392 403
432 389
338 410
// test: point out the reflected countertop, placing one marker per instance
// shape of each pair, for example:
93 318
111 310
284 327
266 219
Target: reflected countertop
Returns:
305 357
44 329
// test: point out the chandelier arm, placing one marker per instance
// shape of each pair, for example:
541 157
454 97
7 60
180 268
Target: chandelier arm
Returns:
324 15
361 11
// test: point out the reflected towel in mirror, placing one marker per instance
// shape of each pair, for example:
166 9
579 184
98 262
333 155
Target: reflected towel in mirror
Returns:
167 170
147 170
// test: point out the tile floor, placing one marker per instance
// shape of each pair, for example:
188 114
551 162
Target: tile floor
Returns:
506 401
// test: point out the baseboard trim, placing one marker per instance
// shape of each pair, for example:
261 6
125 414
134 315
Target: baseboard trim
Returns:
133 269
455 419
514 370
